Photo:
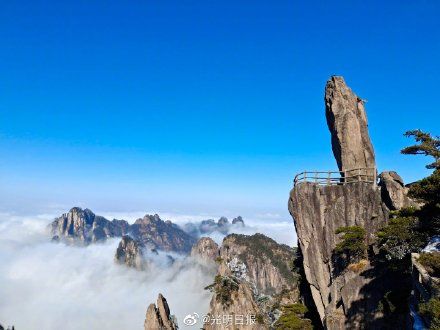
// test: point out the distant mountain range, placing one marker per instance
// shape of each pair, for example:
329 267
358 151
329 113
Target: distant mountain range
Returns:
82 226
254 274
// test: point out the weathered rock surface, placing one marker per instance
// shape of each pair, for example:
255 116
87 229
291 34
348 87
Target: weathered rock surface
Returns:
158 316
83 226
254 278
343 297
205 249
242 303
267 264
394 192
86 227
318 211
129 252
153 232
348 126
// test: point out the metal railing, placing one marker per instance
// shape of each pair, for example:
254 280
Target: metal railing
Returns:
329 178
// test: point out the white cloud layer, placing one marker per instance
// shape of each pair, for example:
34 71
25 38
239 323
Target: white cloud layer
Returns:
44 285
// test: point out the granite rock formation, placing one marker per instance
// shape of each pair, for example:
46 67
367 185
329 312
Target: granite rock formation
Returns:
254 278
129 252
343 298
394 192
158 316
348 126
238 221
267 264
210 226
153 232
318 211
84 226
242 302
205 249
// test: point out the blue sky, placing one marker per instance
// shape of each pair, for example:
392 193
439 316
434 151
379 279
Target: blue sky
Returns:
201 107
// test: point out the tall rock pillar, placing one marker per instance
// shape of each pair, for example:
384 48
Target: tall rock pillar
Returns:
343 298
347 122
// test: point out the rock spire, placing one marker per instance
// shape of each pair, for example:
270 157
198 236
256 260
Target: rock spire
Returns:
348 126
158 316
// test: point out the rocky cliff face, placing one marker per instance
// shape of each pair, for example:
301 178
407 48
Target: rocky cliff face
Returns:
348 126
205 249
153 232
129 252
158 316
343 298
318 211
236 299
254 278
86 227
267 264
83 226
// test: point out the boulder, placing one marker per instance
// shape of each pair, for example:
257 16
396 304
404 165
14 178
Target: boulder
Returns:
394 193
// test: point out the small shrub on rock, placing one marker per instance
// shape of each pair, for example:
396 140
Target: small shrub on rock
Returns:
358 266
223 286
431 311
352 246
292 318
431 261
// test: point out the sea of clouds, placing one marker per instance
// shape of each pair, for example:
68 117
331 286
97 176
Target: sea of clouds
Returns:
272 225
46 285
